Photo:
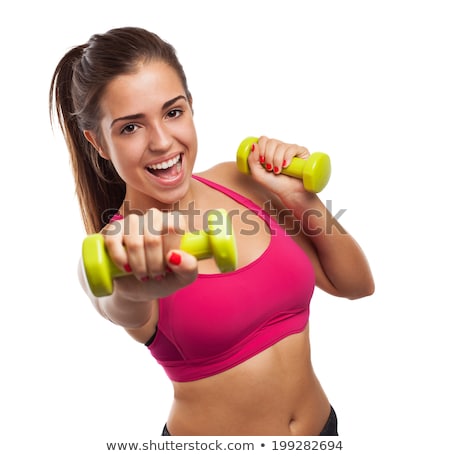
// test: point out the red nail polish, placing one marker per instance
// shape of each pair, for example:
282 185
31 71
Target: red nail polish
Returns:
175 259
127 267
262 160
276 169
145 279
268 166
284 164
253 147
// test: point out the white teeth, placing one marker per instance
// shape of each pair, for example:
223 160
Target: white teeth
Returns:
166 164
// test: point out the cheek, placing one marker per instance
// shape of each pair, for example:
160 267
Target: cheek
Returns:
190 135
123 159
125 148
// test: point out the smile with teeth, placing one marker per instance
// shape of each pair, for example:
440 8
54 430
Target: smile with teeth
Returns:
166 164
167 170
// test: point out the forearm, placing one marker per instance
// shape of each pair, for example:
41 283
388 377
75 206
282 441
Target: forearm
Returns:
118 307
344 265
124 312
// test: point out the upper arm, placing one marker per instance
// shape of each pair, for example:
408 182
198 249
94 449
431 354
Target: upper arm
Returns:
322 281
293 228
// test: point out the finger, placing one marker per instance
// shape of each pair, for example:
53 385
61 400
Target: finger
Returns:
281 157
183 266
274 152
175 224
133 241
302 152
153 233
266 150
293 150
183 271
254 159
113 236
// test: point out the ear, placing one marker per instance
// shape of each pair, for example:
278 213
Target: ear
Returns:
89 135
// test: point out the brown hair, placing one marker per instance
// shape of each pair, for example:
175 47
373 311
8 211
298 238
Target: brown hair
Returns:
76 88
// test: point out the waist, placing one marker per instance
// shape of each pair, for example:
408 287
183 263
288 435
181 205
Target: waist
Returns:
274 393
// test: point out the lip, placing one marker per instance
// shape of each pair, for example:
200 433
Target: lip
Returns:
167 182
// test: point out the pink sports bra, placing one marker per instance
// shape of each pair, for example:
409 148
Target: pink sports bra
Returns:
221 320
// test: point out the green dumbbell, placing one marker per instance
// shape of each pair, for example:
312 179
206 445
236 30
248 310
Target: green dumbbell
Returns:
315 170
217 242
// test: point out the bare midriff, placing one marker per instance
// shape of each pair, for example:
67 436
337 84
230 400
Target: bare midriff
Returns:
274 393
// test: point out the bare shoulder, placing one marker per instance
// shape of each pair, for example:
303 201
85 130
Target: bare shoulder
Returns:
229 176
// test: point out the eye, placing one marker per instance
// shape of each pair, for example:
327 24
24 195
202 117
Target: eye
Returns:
174 113
128 129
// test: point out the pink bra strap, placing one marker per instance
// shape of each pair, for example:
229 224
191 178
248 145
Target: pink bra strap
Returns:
238 198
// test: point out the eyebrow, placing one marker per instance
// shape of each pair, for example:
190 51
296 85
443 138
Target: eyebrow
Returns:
166 105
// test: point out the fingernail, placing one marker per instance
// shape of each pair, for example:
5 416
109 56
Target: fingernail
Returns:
253 147
145 279
284 164
159 277
262 159
276 169
175 259
127 267
268 166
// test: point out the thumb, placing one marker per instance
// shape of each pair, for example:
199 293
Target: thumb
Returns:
183 265
253 160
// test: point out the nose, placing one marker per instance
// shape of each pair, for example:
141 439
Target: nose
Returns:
160 139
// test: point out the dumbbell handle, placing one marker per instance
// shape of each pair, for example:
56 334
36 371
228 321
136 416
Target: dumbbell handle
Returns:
195 244
314 171
217 242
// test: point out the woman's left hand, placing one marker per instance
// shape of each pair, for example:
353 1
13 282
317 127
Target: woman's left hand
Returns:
266 162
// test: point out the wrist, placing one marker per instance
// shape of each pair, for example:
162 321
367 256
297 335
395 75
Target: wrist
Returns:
301 202
130 291
126 308
314 216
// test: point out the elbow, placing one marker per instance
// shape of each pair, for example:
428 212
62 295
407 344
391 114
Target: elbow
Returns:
355 290
363 290
349 287
356 296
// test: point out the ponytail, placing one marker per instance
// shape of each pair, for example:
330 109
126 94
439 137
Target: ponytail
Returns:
99 188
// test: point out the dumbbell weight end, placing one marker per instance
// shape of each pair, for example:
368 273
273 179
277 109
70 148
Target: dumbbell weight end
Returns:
98 267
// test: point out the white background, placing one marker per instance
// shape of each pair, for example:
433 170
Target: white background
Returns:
366 82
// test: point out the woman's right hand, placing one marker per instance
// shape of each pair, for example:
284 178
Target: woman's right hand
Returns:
147 246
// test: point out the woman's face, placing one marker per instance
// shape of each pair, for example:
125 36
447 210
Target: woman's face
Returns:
149 135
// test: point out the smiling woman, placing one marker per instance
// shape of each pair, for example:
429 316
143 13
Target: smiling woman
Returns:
235 345
148 109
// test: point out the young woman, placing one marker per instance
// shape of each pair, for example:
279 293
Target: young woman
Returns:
235 345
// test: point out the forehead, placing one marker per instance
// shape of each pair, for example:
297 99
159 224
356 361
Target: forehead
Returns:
151 85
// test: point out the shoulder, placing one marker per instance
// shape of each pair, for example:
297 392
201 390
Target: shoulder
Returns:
229 176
